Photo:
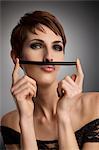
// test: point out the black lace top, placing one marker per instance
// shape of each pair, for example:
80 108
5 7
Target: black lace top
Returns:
87 133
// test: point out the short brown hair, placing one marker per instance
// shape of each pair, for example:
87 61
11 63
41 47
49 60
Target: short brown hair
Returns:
30 22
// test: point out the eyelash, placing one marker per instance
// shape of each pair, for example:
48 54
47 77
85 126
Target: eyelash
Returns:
56 47
35 45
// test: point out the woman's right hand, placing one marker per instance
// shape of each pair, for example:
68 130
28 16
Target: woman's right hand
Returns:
23 90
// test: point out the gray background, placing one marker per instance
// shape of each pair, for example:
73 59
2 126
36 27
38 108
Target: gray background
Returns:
81 24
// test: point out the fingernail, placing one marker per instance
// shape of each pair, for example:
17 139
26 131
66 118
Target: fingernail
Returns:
67 77
78 60
16 60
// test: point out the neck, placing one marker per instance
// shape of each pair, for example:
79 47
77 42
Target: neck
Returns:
46 100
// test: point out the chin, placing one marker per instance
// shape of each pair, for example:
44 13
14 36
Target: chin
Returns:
46 83
45 80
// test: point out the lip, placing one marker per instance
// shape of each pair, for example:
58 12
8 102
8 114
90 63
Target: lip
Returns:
48 68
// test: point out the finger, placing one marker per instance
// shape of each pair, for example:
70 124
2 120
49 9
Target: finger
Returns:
73 77
26 93
15 75
80 74
16 92
24 80
68 89
71 86
69 80
21 88
79 68
61 89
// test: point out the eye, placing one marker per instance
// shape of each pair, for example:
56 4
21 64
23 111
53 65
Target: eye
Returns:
57 47
36 45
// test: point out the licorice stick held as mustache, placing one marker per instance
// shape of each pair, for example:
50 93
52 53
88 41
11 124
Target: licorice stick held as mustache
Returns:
46 63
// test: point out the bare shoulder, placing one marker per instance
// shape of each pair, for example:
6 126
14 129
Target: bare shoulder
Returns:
91 98
11 120
90 103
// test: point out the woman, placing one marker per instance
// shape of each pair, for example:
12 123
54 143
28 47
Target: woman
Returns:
50 114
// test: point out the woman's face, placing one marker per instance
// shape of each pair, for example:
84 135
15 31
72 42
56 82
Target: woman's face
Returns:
43 46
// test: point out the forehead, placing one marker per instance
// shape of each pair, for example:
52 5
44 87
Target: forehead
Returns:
45 34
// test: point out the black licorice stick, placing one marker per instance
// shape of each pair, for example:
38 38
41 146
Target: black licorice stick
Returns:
46 63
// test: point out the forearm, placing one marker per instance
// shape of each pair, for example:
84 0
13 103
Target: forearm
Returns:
28 139
67 139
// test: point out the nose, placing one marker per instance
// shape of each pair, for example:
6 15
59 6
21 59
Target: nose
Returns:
48 56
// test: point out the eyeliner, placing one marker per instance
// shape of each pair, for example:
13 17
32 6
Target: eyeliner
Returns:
46 63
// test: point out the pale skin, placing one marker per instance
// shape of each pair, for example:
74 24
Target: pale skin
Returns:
49 112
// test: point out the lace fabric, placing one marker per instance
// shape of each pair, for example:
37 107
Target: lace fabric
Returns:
87 133
92 132
48 145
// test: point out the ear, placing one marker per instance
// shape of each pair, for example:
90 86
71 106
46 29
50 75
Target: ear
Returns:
13 55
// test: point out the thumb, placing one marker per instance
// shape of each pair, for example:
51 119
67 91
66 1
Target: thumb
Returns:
15 74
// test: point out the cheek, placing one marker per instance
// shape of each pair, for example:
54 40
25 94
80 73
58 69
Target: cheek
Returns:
59 56
32 56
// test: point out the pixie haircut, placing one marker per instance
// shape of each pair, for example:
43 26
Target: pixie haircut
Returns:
31 21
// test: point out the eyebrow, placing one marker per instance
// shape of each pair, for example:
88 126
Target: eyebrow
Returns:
58 42
43 41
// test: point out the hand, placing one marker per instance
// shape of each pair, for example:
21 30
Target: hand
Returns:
23 90
69 90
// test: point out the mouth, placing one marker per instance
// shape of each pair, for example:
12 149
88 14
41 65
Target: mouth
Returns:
48 68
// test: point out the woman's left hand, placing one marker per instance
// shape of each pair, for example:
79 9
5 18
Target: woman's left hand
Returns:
69 90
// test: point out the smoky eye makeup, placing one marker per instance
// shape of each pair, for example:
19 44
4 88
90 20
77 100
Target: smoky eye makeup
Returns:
36 45
57 47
